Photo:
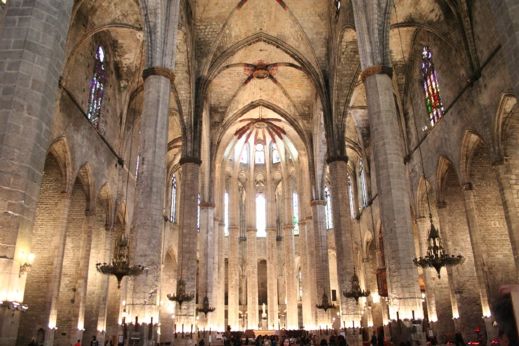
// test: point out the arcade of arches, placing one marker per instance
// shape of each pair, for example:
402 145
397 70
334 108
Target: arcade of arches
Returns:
263 152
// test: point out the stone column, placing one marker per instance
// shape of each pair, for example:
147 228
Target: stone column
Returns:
272 263
31 61
288 242
207 248
233 292
188 238
371 21
343 229
510 208
219 283
252 280
307 253
506 14
148 219
322 271
392 187
477 246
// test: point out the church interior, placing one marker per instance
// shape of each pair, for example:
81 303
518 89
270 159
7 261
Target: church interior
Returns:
171 170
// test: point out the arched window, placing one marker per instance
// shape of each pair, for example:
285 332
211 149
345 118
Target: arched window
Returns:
97 86
226 213
328 208
351 197
173 211
244 154
261 216
337 6
295 213
433 101
275 154
137 166
198 199
363 185
259 156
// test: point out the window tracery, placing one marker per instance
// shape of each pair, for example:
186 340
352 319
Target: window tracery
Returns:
259 156
295 213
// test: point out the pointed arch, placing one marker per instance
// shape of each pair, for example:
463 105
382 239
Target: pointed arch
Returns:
505 107
86 178
442 167
469 144
61 152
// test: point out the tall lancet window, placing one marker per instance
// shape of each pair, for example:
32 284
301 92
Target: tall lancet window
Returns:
226 214
259 156
173 210
97 87
295 213
351 198
275 154
328 208
198 199
363 185
261 215
433 100
244 153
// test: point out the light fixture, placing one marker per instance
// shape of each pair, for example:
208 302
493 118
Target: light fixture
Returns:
181 295
28 260
325 303
356 291
120 265
206 308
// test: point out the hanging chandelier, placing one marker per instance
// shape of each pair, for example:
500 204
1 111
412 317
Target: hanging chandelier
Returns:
436 257
356 291
206 308
181 295
325 303
120 265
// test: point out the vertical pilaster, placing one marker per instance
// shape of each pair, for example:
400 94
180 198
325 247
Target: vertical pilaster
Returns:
272 263
308 281
477 246
206 264
219 281
510 208
252 280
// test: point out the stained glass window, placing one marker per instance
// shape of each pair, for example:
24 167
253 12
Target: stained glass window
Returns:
261 215
173 213
97 87
259 156
433 101
295 213
328 208
137 166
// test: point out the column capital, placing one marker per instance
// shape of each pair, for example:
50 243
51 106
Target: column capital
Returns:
376 69
158 71
337 158
317 202
190 159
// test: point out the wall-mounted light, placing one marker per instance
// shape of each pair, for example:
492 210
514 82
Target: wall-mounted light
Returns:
27 260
